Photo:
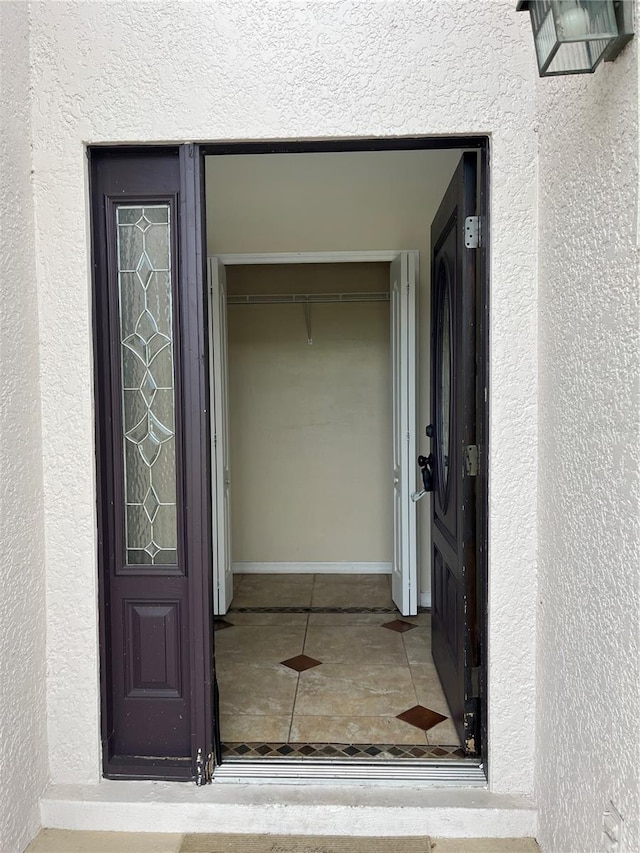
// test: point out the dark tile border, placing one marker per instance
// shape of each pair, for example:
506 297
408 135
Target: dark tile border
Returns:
321 610
339 751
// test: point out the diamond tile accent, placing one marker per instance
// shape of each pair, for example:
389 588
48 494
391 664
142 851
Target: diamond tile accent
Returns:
399 625
300 663
421 717
221 624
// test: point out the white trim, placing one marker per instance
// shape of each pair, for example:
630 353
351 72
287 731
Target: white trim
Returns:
355 810
311 568
425 599
384 256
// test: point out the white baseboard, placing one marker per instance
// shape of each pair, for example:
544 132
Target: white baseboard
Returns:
425 599
311 568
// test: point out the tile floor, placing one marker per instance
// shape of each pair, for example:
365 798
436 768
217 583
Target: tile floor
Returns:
332 677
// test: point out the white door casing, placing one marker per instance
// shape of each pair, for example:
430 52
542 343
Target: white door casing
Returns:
404 578
221 480
403 289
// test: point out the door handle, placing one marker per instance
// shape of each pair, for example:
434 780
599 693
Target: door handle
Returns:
416 496
426 466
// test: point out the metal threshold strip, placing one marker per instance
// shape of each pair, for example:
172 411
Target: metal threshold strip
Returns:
469 773
304 298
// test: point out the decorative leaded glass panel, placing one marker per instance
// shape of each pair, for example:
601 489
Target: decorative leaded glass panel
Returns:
148 400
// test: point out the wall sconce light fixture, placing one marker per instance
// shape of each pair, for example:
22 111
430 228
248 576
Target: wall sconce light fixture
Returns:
573 36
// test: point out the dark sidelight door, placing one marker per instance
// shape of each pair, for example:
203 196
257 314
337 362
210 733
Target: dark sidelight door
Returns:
455 639
153 463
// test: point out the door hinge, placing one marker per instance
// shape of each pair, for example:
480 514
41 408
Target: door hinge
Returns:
471 460
475 682
472 235
204 767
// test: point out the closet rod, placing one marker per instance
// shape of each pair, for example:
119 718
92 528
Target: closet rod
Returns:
293 298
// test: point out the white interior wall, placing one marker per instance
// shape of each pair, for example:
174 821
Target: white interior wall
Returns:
23 742
338 202
310 425
589 598
130 72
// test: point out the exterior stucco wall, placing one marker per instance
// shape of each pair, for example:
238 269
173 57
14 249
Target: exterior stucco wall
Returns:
588 676
23 745
137 72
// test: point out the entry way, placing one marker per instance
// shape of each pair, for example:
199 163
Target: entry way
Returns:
402 294
154 454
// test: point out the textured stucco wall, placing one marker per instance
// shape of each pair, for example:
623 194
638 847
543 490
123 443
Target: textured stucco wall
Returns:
23 745
234 69
588 677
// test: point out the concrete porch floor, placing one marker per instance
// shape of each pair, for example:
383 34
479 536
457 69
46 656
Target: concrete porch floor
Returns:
69 841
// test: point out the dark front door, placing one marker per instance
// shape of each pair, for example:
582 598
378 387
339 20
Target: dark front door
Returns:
152 462
453 413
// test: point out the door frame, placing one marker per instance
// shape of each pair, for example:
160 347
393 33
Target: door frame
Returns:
480 143
344 257
191 158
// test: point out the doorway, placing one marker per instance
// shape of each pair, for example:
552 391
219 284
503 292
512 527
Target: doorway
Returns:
149 614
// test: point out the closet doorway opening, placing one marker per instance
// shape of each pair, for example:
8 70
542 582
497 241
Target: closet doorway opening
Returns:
313 378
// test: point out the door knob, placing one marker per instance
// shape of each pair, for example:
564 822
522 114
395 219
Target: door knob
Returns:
429 431
426 466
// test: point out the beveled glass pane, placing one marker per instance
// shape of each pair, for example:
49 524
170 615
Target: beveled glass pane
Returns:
134 409
162 365
157 245
159 213
137 474
132 369
132 303
137 527
165 526
147 374
158 299
130 243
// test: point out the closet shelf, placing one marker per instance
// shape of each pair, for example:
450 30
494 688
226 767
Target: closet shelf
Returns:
304 298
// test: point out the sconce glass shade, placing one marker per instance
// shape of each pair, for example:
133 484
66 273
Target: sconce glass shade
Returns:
573 36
